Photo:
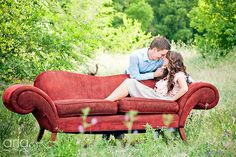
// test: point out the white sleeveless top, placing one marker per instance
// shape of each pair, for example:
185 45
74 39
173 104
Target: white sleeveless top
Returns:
161 89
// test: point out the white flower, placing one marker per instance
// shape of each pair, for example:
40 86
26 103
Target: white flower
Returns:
94 121
155 136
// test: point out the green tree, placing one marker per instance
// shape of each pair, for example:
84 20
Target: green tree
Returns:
37 36
27 41
141 11
48 35
126 37
135 9
170 19
215 22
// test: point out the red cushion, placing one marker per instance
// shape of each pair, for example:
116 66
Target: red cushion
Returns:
73 107
144 105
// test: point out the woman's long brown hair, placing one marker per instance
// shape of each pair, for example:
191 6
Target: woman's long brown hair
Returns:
175 65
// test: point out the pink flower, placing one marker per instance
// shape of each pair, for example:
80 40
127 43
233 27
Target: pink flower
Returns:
81 129
78 141
126 117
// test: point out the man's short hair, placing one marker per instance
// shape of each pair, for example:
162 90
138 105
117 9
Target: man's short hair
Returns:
161 43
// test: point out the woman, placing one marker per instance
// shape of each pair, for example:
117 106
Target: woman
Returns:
171 87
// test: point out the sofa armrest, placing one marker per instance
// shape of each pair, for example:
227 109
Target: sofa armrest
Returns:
201 95
24 99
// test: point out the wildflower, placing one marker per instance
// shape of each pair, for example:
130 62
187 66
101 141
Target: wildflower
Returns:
167 118
22 126
171 129
81 129
206 105
78 141
135 132
227 144
155 135
126 117
94 121
129 119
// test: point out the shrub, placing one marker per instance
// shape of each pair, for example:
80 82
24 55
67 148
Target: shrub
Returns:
215 22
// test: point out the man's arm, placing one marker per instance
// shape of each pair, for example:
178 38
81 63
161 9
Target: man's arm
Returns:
159 72
133 70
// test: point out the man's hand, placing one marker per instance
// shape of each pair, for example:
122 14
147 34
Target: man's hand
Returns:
159 72
166 62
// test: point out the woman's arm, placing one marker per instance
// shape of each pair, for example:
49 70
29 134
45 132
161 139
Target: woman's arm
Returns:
183 88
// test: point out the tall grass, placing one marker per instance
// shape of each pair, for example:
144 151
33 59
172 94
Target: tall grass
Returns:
209 132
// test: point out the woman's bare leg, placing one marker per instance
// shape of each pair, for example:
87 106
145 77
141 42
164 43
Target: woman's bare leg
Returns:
120 92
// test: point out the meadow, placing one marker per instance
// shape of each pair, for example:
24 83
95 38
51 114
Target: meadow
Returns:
209 132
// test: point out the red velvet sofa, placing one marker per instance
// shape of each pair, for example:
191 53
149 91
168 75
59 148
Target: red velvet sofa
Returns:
57 97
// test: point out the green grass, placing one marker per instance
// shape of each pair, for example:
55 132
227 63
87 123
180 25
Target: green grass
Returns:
209 132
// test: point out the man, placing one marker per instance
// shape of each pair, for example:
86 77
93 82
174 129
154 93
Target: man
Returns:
146 64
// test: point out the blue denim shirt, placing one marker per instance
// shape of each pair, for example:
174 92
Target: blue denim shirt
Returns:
141 67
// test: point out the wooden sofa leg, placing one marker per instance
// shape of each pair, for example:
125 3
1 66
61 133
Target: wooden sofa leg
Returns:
53 138
183 135
40 135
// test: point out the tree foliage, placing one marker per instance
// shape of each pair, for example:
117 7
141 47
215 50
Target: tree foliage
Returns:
128 36
160 17
41 35
141 11
215 22
170 19
138 10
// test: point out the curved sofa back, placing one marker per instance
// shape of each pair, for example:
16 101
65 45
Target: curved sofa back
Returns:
68 85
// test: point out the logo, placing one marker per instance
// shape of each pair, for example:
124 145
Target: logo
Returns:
15 144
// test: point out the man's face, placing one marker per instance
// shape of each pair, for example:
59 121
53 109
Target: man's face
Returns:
158 54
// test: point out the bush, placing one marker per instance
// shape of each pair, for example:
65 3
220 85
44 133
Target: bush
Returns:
47 35
126 37
215 22
29 42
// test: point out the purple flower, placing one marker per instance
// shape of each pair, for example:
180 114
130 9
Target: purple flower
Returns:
135 132
171 129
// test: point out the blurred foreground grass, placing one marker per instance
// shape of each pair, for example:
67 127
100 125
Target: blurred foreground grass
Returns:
210 133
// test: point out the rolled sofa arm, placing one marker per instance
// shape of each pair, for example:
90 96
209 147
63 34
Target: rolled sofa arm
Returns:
201 95
24 99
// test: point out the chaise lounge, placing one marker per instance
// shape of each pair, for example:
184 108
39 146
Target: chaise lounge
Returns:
57 98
